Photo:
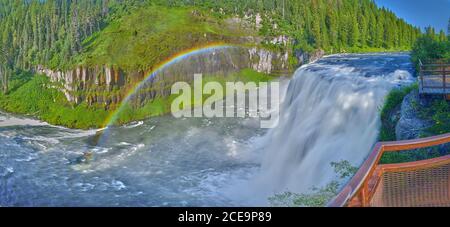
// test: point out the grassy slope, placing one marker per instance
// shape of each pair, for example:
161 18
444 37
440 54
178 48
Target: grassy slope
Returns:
152 34
37 96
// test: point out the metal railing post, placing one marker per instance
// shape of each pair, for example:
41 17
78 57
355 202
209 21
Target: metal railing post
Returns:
444 79
421 75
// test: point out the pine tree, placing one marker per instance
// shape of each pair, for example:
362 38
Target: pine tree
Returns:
363 28
354 32
442 36
331 23
5 68
429 31
448 29
379 38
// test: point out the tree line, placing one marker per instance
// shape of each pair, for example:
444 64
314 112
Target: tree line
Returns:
432 47
332 25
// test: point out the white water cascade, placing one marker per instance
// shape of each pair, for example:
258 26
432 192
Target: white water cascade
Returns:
330 114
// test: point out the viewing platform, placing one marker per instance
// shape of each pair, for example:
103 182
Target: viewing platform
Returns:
434 79
423 183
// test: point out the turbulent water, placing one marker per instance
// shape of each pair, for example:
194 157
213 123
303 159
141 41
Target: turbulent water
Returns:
330 113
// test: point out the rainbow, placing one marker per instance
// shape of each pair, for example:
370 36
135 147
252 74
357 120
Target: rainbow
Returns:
111 119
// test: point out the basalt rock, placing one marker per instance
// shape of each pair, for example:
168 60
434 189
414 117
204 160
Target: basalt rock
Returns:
304 57
109 85
411 125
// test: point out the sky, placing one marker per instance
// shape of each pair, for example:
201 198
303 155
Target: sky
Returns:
420 13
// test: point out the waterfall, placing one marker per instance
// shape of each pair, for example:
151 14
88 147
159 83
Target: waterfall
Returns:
330 114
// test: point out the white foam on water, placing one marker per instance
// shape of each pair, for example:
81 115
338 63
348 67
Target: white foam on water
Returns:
6 171
7 120
118 185
105 160
134 124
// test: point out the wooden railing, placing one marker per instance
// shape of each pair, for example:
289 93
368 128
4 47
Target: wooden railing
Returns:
434 78
360 190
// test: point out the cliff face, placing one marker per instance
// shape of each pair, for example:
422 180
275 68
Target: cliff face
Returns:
307 57
411 125
107 86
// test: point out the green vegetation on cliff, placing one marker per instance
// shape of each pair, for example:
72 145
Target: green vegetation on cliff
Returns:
36 95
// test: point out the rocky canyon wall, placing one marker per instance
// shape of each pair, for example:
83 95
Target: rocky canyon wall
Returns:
108 85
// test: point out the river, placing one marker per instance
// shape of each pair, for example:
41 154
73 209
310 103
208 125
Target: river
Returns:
330 113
